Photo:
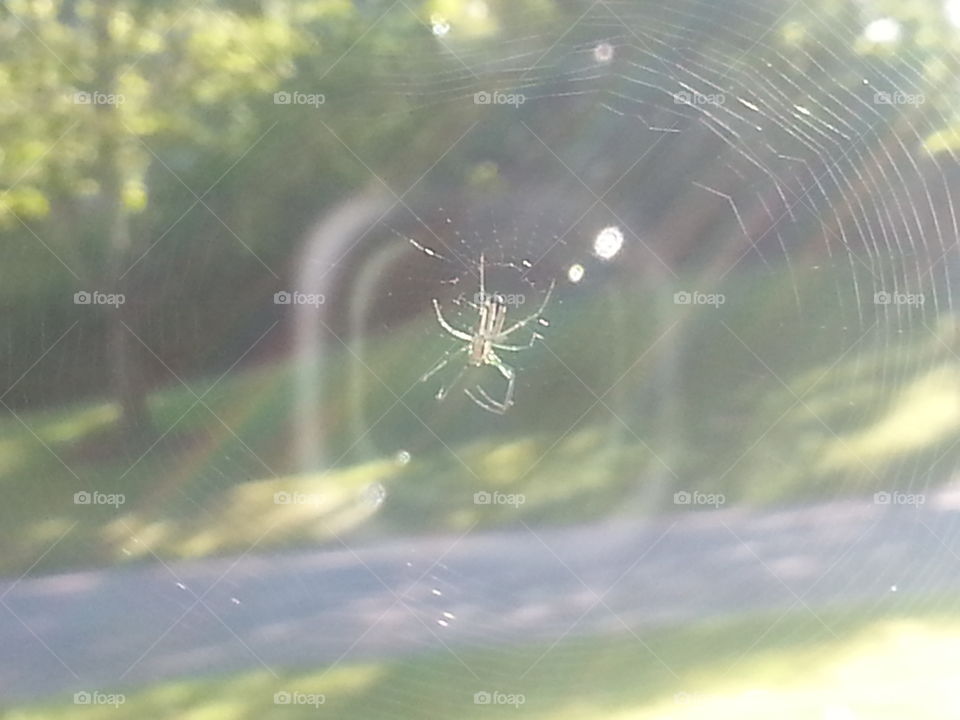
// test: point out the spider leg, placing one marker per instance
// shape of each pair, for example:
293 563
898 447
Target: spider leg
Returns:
518 348
490 406
442 392
447 357
520 323
488 403
459 334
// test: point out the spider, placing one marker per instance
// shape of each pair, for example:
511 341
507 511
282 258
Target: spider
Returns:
486 337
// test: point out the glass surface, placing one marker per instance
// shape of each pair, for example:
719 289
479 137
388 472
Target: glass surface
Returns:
476 359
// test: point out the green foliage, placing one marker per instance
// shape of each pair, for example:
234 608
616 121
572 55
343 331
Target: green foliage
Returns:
74 76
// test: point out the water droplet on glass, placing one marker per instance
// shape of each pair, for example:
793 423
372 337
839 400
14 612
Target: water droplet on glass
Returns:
608 242
181 586
374 494
884 30
449 616
439 25
575 273
603 53
443 623
234 601
436 592
402 457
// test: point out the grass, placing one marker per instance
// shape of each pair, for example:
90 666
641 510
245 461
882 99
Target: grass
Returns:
894 660
824 424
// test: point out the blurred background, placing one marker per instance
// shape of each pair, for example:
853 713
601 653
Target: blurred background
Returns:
242 477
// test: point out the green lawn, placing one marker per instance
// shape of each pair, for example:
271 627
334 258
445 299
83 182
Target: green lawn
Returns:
894 660
207 487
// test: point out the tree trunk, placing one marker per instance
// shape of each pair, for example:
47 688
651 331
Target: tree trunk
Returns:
127 385
129 389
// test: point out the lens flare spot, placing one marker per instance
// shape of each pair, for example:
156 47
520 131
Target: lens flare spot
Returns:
884 30
603 53
439 25
374 494
478 10
951 9
608 242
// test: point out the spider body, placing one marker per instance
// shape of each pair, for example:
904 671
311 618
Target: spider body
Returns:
482 342
493 315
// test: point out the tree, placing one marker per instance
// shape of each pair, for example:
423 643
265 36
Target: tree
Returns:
85 87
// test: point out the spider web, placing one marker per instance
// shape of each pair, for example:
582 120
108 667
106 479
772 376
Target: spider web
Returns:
725 147
765 153
734 160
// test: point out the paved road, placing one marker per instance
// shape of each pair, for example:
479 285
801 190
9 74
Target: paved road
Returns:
115 628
